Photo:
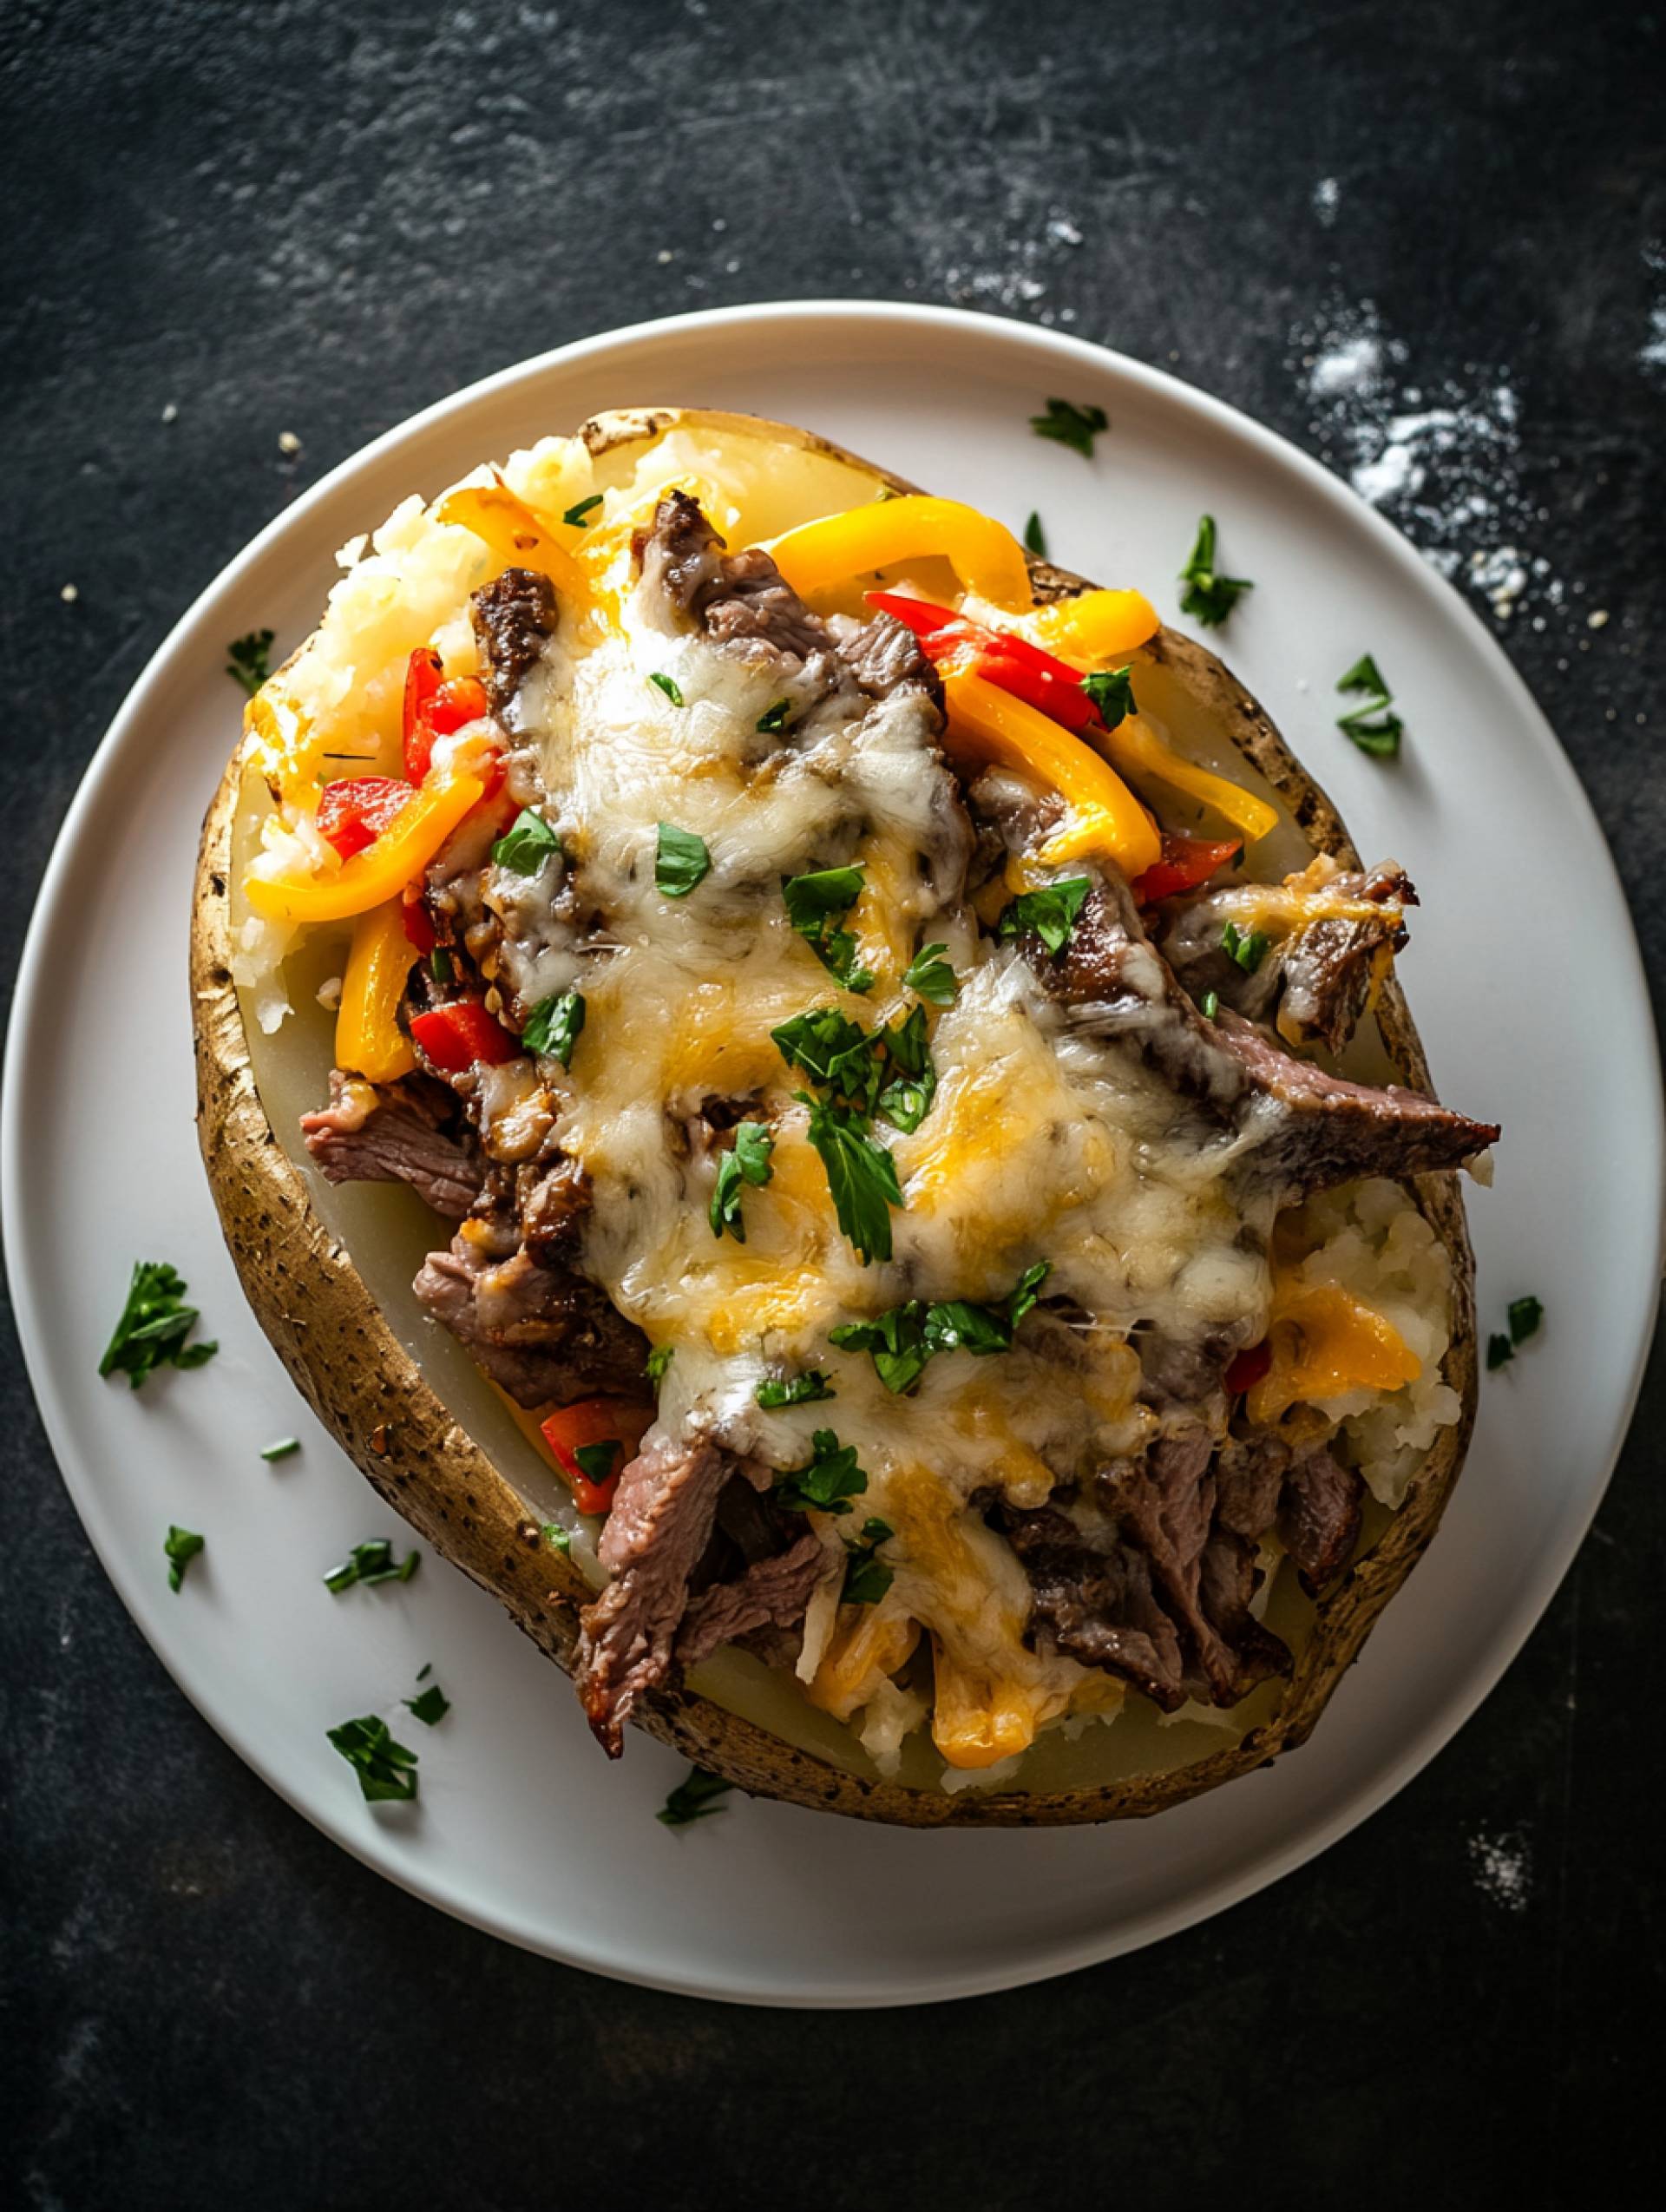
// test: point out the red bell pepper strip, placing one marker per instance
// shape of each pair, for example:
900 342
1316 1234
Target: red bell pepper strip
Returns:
1186 862
419 926
424 673
353 813
459 700
1247 1369
1039 679
461 1035
607 1432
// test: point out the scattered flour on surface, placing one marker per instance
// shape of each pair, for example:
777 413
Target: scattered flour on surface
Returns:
1327 199
1503 1867
1652 358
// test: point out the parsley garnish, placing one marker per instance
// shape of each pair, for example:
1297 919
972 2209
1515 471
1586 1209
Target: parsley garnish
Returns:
806 1389
1076 427
1248 950
774 718
680 861
281 1448
861 1175
906 1099
836 1053
1112 691
370 1563
865 1580
554 1026
250 662
153 1326
596 1462
904 1341
429 1706
1209 597
557 1538
385 1769
669 686
575 515
827 1482
814 903
180 1546
526 844
1523 1315
1035 536
1051 912
748 1162
930 974
692 1800
1372 727
1209 1005
658 1360
440 966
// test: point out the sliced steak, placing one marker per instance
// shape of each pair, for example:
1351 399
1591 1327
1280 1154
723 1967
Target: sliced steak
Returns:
1097 1605
400 1133
515 617
1249 1474
771 1594
661 1518
1319 1518
540 1332
883 655
1166 1504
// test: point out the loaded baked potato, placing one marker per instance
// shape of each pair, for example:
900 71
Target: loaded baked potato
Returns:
769 1065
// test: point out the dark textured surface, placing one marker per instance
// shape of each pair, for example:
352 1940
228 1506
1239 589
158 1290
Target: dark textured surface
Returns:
318 218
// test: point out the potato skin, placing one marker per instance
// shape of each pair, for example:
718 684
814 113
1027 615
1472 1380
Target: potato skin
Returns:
357 1378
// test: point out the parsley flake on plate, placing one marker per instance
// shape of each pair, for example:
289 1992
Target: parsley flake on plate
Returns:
692 1799
747 1162
179 1547
155 1324
1068 424
371 1563
1524 1317
680 861
386 1770
249 659
1209 596
1373 727
430 1706
1036 537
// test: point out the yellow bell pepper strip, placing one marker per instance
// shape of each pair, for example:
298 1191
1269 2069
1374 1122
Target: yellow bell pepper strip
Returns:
380 872
985 723
1136 747
1094 625
1324 1343
369 1040
984 554
516 537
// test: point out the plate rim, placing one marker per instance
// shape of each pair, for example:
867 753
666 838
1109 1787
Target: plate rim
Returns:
1051 1958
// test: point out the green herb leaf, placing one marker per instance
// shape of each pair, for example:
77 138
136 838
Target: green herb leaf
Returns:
250 659
371 1563
155 1324
1051 913
1364 676
747 1162
1209 1005
596 1462
1112 691
906 1099
558 1538
179 1547
1524 1316
1371 727
385 1769
1209 597
526 844
1500 1351
929 974
836 1053
554 1026
904 1341
680 861
1035 536
668 685
814 903
658 1360
896 1341
1076 427
866 1580
441 967
775 718
430 1705
807 1389
575 515
692 1799
861 1176
1248 951
827 1482
281 1449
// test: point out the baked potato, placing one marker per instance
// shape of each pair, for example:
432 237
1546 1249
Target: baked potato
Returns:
931 1330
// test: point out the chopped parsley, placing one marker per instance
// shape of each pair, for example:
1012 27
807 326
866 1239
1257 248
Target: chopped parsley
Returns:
249 659
1051 912
827 1482
430 1705
1524 1317
1036 537
1068 424
692 1799
1372 727
1209 596
658 1360
596 1462
748 1161
155 1324
929 974
574 516
1112 691
904 1341
441 966
866 1580
861 1175
554 1026
669 686
907 1097
836 1053
1248 949
281 1448
386 1770
558 1538
808 1389
775 718
179 1547
680 861
813 904
1209 1005
526 844
371 1563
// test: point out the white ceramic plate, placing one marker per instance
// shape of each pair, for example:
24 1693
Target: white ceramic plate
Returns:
521 1827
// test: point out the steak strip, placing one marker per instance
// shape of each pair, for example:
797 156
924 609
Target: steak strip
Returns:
407 1133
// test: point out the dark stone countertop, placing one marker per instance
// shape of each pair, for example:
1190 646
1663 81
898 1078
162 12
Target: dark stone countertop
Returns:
303 217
